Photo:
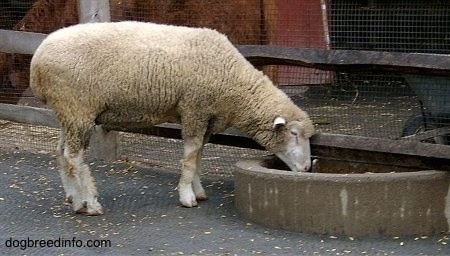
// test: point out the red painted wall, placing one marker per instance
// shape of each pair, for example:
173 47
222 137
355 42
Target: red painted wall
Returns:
301 23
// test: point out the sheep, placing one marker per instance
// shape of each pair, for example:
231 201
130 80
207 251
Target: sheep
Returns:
137 74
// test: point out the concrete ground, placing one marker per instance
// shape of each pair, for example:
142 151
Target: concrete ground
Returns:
143 217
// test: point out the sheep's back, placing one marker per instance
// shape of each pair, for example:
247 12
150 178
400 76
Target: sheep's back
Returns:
141 63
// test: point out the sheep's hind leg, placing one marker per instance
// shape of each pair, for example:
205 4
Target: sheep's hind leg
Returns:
68 178
189 187
84 200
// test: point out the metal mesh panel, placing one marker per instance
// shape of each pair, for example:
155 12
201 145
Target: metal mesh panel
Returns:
404 26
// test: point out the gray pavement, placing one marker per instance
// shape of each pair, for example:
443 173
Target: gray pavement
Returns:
143 217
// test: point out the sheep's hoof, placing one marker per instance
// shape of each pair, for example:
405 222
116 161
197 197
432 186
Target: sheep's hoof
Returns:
82 210
93 209
188 200
201 197
95 212
68 200
189 204
91 212
187 196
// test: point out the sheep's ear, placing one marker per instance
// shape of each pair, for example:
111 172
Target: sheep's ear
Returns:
279 122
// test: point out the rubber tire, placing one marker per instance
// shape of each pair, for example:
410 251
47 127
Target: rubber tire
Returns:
415 124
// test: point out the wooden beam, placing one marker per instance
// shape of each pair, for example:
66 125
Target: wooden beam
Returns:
230 137
401 147
442 131
348 60
104 145
19 41
337 60
28 115
46 117
233 137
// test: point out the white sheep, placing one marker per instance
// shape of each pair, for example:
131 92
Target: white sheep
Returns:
136 74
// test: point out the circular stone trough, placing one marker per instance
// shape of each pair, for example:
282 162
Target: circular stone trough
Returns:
353 204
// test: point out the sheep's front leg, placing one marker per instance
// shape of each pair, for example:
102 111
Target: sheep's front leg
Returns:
189 187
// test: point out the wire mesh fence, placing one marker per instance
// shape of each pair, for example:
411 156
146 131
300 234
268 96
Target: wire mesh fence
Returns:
383 25
385 105
401 26
166 153
26 137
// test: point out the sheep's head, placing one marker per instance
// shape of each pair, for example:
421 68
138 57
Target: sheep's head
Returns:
293 147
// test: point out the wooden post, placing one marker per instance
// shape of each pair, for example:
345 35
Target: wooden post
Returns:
93 11
103 144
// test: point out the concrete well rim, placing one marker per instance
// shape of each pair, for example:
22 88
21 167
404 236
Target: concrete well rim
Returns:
400 203
253 166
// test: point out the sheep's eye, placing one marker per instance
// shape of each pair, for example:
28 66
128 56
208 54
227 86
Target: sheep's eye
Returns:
294 133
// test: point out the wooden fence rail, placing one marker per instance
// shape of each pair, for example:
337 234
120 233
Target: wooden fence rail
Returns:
336 60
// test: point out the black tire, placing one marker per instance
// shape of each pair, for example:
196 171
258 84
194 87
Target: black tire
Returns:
413 125
417 123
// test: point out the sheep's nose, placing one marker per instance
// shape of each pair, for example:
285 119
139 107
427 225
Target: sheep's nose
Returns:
304 168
